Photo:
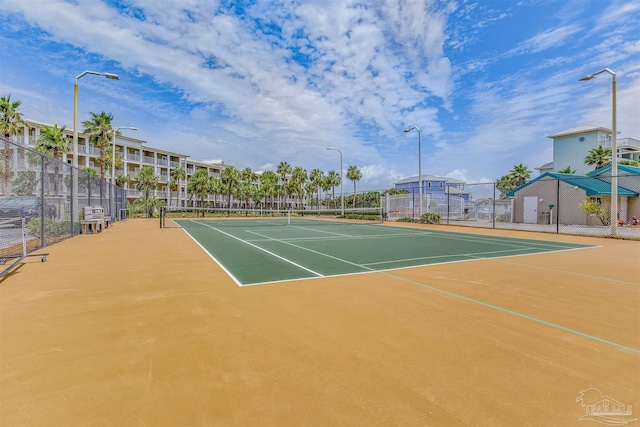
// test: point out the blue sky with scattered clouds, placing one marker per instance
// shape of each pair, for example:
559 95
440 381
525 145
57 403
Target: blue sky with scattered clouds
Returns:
259 82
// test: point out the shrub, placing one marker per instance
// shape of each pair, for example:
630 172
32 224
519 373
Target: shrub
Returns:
426 218
429 218
591 207
51 228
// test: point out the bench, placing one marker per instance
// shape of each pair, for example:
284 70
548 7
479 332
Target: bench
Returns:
92 219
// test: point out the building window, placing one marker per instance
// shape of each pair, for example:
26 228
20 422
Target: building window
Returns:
597 200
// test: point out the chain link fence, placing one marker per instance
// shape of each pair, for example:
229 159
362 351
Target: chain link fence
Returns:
573 205
39 205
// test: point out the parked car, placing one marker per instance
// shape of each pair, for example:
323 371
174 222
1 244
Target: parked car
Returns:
26 207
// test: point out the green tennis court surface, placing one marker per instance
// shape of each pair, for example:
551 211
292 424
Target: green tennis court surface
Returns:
254 254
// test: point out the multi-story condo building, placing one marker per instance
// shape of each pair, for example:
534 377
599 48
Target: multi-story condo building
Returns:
135 154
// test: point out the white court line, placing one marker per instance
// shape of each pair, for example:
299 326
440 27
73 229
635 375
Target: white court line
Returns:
312 251
321 231
213 258
261 249
472 256
340 237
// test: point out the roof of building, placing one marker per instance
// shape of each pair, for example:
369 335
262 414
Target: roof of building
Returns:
580 129
545 166
431 178
622 170
592 186
459 191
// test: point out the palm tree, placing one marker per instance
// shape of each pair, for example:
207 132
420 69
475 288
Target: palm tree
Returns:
326 186
230 177
99 131
249 176
216 187
122 179
54 142
147 181
520 174
268 184
504 185
177 176
298 179
283 170
598 157
333 179
316 177
354 174
199 184
567 170
118 162
10 121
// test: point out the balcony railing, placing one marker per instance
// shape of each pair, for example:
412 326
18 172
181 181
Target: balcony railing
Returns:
628 144
133 157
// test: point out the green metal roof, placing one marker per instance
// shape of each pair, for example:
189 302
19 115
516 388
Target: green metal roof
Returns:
592 186
622 170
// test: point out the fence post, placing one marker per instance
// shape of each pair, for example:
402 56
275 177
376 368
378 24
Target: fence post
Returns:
42 211
493 207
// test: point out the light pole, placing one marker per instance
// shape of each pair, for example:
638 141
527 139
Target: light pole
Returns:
341 178
74 181
419 167
614 150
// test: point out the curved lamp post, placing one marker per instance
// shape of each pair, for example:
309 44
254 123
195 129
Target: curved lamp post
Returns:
419 167
614 150
74 181
341 178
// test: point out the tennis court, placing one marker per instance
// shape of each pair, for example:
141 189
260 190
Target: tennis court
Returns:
260 251
139 326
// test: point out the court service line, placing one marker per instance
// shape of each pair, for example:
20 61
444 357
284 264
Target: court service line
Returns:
313 251
322 231
339 237
510 241
471 256
262 249
514 313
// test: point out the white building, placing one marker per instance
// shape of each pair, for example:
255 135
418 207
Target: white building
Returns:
135 154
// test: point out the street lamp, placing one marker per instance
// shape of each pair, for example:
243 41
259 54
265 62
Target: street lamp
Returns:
419 167
614 150
341 178
74 181
113 152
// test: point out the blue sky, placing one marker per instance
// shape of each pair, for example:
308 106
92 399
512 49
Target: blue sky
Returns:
259 82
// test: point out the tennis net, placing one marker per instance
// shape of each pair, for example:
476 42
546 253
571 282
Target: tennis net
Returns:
219 217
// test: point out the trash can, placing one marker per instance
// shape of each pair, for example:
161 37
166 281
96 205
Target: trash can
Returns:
543 218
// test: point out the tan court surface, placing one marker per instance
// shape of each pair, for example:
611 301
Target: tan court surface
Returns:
137 326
